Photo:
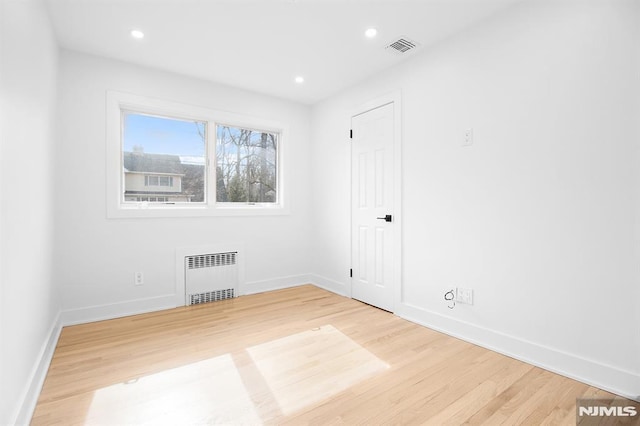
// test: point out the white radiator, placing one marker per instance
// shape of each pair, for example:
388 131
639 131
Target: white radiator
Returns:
210 277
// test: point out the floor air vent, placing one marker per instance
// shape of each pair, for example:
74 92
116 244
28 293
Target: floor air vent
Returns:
210 277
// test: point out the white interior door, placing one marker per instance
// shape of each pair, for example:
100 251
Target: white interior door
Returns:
372 227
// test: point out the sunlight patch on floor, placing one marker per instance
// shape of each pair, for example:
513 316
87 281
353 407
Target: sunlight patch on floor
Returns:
206 392
285 375
308 367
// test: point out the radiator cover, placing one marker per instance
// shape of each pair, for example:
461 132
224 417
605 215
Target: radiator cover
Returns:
211 277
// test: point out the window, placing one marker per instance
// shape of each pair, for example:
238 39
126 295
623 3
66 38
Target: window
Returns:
164 155
158 180
168 159
246 165
149 199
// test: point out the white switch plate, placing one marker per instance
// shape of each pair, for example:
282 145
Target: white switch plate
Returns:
464 295
468 137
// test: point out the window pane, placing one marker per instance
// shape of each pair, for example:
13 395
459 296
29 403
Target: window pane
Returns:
246 165
164 159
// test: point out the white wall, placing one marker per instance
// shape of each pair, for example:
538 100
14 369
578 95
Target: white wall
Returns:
538 216
541 217
29 302
96 257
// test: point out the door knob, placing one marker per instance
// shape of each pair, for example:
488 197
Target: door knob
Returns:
386 218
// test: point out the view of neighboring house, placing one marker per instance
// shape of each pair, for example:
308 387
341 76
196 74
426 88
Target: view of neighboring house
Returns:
161 178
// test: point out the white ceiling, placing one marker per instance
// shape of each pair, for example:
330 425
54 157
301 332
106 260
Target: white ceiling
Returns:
261 45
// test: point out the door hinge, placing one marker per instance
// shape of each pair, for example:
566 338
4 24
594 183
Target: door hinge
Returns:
350 273
351 134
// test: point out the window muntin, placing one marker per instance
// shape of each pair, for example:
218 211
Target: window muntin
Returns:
163 154
246 165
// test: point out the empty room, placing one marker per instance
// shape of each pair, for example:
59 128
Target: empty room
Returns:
375 212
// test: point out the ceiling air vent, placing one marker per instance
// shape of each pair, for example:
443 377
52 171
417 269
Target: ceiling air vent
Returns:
401 45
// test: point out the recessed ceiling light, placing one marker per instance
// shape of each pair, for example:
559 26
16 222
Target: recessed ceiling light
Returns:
371 32
137 34
299 80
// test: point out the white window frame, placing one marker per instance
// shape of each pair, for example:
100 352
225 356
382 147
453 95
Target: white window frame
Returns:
118 208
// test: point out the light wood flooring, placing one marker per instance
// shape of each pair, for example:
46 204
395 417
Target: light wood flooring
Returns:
294 356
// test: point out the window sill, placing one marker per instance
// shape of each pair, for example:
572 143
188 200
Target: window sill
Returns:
128 211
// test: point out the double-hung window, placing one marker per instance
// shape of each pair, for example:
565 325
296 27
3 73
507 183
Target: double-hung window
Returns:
167 159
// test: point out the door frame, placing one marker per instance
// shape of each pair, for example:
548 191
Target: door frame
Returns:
394 98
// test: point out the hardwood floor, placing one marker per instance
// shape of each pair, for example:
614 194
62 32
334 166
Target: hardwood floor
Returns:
294 356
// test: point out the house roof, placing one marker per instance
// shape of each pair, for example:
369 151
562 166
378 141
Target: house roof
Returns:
152 163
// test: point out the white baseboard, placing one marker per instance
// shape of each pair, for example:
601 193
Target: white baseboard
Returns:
116 310
32 389
158 303
329 285
275 284
606 377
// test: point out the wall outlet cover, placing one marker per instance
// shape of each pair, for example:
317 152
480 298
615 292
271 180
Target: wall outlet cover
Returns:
464 295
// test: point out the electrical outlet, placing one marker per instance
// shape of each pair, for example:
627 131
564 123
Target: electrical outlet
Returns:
464 295
138 278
